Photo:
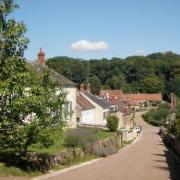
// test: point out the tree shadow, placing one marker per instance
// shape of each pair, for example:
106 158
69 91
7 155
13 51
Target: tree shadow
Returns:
160 161
9 159
173 165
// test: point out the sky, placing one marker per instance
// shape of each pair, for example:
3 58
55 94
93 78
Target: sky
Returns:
90 29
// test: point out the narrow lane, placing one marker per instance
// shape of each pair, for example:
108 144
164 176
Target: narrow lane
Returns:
144 160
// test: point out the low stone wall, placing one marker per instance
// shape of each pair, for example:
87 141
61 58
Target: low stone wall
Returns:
44 162
100 148
108 146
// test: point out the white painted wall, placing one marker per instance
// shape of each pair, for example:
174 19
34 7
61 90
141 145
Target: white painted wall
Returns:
88 117
99 119
70 97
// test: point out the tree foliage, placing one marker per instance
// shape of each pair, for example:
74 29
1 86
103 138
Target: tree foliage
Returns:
29 108
95 84
152 84
112 123
159 70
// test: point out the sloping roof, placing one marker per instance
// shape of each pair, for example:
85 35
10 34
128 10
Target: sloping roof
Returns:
83 102
55 77
101 102
60 79
111 93
132 102
145 97
122 107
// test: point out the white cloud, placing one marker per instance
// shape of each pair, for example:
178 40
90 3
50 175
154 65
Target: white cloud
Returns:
140 52
84 45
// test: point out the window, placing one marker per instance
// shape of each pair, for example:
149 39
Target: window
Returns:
68 108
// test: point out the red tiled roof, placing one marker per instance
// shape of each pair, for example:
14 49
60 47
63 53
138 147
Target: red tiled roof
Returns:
83 102
112 93
131 102
143 97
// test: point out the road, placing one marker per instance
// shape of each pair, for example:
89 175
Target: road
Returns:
147 159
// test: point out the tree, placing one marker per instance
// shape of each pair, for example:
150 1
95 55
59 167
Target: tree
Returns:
117 82
112 123
95 85
174 85
152 84
28 104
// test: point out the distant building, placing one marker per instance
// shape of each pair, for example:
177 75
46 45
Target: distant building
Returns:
100 108
135 101
85 110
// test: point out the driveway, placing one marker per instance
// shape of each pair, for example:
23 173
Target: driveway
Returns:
147 159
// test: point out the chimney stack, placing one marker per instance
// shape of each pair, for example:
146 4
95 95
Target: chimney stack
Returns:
41 57
88 88
82 88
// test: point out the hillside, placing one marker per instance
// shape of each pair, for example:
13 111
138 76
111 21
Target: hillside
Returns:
157 72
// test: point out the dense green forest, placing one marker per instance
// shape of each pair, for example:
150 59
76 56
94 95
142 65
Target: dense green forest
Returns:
157 72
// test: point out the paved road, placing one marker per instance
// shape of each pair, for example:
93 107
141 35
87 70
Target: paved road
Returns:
144 160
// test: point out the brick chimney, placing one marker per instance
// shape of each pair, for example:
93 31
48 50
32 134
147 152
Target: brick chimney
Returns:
82 88
41 57
88 88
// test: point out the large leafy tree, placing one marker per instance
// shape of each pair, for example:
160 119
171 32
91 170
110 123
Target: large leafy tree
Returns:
30 111
152 84
95 85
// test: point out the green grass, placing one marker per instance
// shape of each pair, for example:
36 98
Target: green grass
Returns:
103 134
75 162
55 148
15 171
59 144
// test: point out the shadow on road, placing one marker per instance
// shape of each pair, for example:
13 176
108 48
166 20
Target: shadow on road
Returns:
173 165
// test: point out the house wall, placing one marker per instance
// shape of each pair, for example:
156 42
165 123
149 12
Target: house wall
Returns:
121 120
70 98
88 117
99 113
127 121
78 113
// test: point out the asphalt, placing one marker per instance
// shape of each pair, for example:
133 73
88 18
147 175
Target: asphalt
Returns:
147 159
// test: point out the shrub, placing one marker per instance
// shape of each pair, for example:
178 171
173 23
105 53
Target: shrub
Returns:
112 123
80 137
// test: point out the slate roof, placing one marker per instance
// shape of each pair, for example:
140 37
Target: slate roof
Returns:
55 77
83 102
101 102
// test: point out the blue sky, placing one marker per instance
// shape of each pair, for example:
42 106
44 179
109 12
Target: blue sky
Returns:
100 28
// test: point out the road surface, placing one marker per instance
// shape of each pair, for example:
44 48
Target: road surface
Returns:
147 159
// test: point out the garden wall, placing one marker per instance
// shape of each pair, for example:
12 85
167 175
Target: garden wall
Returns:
101 148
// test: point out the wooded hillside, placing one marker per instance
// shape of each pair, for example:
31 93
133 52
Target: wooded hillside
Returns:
158 72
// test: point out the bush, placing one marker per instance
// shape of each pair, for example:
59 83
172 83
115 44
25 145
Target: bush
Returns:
112 123
157 117
80 137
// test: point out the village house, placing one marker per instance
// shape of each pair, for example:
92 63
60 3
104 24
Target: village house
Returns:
135 101
61 82
85 110
100 108
116 98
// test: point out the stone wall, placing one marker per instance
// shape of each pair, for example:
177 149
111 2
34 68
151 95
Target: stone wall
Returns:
101 148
